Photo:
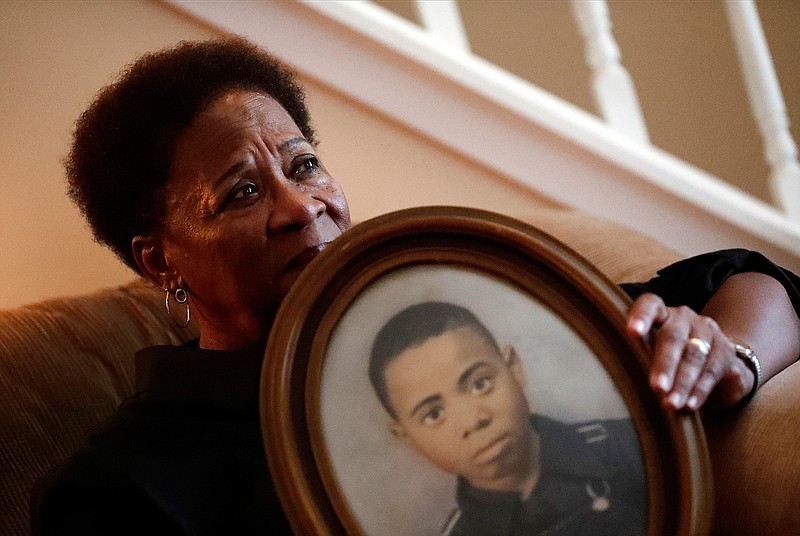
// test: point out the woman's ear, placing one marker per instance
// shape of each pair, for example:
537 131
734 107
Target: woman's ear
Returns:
152 263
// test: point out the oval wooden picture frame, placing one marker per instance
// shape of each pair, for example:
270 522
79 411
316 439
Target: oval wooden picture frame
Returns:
337 468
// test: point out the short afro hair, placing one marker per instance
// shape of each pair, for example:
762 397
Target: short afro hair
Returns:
122 146
410 328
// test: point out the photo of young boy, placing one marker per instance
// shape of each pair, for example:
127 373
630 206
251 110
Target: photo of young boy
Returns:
458 399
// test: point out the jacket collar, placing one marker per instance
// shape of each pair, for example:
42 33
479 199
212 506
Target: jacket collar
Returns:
567 464
225 379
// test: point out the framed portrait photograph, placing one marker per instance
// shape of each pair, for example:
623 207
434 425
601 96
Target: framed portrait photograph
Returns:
451 371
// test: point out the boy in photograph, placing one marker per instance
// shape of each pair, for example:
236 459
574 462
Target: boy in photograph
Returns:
456 398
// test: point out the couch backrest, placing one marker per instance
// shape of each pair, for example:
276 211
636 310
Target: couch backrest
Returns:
66 363
622 254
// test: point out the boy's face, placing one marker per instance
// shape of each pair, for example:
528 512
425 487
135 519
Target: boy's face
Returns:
461 404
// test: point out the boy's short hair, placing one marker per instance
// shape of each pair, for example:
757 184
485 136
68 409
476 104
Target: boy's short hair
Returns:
411 327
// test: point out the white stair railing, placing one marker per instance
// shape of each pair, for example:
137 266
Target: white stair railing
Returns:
616 97
443 20
768 106
613 87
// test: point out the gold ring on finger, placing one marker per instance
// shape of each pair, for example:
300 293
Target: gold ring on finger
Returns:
703 346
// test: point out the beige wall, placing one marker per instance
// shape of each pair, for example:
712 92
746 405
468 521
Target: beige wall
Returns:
53 58
55 55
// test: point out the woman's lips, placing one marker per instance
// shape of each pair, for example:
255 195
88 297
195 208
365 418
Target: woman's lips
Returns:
300 260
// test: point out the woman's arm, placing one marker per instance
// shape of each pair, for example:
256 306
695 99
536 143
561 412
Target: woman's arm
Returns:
755 308
751 307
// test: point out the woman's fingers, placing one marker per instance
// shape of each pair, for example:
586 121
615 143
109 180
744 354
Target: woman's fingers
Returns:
701 361
716 364
726 383
647 314
666 329
676 365
692 357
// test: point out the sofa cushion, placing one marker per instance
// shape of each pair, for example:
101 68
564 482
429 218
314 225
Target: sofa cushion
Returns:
65 364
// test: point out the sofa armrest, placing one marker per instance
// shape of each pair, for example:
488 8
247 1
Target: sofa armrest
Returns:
753 450
754 461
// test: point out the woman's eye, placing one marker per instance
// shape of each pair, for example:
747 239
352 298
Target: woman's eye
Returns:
482 385
245 191
433 416
308 164
242 192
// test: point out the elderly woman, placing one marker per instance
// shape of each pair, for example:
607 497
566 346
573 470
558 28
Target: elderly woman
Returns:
198 168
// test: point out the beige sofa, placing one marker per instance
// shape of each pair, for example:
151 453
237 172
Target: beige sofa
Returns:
66 363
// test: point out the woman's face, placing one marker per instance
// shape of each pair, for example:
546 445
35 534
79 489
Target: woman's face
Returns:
248 206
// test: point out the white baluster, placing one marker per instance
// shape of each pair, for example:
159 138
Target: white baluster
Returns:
766 100
613 87
442 19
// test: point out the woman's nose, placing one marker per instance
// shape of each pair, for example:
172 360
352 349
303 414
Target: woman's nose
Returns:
293 207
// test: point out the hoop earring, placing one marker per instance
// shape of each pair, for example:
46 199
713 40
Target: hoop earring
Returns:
182 297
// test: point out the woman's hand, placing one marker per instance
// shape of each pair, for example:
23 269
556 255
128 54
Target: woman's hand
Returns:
686 372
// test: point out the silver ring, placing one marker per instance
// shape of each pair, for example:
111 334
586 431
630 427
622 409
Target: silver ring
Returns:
703 346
